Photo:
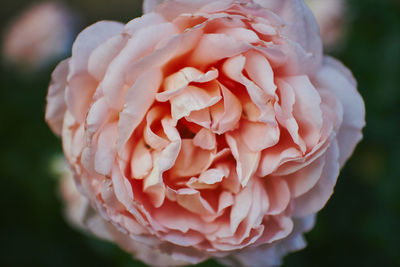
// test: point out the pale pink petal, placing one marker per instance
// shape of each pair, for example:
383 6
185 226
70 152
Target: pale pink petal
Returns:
79 93
278 194
301 28
56 107
183 6
88 40
306 109
139 23
105 154
303 180
98 114
101 57
150 5
189 239
316 198
240 34
338 79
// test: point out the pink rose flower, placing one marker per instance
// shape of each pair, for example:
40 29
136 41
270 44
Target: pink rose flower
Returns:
205 129
40 34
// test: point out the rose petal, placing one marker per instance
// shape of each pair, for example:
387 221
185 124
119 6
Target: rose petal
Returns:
317 197
56 107
138 100
246 160
338 79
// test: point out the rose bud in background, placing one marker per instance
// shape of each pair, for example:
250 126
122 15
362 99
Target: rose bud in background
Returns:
41 34
330 15
205 129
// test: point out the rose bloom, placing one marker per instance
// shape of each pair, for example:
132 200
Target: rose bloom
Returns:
205 129
43 32
330 16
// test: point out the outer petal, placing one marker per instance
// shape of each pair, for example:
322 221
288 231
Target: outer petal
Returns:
88 40
150 5
302 29
338 79
56 106
317 197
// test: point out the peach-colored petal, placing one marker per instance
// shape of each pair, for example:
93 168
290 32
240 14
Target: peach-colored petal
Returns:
205 139
192 160
233 68
259 136
284 113
138 99
272 158
201 117
191 200
141 45
56 107
223 47
255 62
176 46
178 81
246 160
193 98
241 207
153 139
226 116
153 184
141 162
182 220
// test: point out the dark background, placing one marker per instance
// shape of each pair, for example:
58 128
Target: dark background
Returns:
360 226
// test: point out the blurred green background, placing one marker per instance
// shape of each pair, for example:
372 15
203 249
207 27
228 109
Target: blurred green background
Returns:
360 226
